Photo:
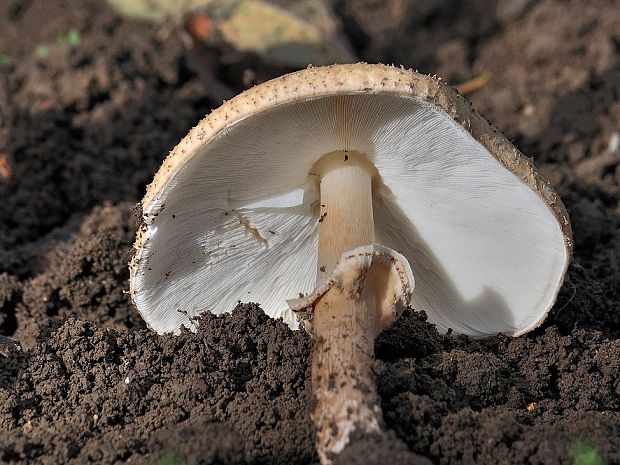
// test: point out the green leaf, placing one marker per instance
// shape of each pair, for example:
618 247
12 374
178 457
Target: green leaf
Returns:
585 453
171 459
5 59
42 51
71 38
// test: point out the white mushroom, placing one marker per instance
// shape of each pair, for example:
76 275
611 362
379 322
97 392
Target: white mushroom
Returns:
388 169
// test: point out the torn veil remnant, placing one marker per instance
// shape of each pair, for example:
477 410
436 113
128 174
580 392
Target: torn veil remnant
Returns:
353 162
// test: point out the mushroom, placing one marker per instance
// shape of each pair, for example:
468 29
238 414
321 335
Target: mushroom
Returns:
331 188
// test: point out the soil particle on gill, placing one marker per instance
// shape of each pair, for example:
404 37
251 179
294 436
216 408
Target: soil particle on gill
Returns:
89 394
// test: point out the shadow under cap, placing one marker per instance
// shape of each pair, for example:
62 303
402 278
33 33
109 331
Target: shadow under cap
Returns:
426 266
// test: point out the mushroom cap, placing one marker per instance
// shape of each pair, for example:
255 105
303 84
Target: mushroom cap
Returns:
232 214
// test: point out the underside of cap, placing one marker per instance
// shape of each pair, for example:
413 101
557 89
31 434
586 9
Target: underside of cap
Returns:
232 213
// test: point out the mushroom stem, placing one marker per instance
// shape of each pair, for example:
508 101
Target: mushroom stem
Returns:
345 318
346 207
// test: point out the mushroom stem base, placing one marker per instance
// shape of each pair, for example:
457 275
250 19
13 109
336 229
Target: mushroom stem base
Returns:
344 323
366 292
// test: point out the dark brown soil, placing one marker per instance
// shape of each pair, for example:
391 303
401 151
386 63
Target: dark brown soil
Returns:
83 129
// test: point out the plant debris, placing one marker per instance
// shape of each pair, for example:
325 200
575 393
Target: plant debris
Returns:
474 84
5 167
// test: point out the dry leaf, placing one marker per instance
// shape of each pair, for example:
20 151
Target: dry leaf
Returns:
5 168
285 33
156 10
474 84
